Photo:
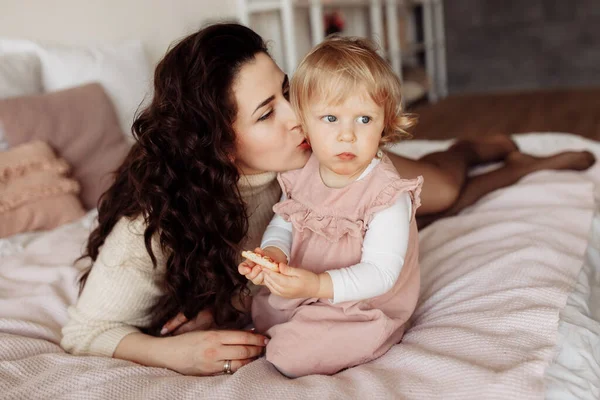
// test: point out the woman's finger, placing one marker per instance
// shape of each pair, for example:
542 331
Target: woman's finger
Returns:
236 352
202 322
242 338
235 365
173 324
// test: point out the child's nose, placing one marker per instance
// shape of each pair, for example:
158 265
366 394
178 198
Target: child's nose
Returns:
347 135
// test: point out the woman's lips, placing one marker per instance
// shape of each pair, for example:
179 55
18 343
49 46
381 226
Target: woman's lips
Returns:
346 156
304 145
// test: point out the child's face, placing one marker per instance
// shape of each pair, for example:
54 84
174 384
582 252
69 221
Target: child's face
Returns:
345 137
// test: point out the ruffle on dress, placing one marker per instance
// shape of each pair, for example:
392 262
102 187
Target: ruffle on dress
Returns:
333 227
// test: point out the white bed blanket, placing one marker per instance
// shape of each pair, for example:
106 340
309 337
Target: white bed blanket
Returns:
493 282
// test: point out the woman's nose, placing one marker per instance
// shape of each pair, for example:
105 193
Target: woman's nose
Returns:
291 121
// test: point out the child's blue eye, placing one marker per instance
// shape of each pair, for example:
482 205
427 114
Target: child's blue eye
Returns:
329 118
364 119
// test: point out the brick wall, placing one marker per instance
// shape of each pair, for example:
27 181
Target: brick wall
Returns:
498 45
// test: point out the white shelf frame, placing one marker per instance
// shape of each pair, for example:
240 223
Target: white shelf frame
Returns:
433 31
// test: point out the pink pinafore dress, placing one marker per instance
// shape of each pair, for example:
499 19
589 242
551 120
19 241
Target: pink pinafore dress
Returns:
314 336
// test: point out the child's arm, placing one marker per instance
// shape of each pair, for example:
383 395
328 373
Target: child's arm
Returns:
278 235
384 249
276 244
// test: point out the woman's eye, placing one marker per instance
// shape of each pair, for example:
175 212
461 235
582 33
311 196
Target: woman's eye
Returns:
364 119
329 118
266 116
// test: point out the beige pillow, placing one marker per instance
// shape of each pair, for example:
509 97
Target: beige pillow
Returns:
35 192
80 124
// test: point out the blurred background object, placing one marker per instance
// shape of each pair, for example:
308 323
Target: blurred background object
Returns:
469 67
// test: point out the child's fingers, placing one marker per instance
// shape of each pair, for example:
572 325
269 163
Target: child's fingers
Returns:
274 280
285 269
278 278
259 280
271 285
244 269
254 272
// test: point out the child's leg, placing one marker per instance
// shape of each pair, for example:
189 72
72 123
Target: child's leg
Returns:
323 339
264 315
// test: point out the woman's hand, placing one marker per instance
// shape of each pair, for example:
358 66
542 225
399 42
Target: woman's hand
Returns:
196 353
295 283
180 324
205 352
205 319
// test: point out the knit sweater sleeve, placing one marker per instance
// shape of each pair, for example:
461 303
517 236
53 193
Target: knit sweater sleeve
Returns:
121 288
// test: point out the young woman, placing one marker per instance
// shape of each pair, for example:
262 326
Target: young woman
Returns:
198 185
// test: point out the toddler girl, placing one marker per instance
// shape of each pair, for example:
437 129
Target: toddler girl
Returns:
344 233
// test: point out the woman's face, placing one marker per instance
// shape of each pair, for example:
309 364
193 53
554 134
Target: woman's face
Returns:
269 137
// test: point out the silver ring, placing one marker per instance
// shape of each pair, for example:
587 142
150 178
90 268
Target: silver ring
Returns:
227 368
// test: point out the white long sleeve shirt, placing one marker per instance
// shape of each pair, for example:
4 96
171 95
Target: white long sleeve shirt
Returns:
383 252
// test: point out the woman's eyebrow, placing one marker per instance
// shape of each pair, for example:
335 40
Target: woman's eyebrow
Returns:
284 85
264 103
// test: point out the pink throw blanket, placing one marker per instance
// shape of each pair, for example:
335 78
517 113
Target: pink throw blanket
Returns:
493 282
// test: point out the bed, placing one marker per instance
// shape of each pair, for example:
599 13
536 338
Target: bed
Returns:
509 308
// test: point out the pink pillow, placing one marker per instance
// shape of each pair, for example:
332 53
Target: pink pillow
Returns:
35 193
80 124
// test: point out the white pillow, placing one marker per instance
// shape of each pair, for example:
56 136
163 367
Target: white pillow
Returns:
17 46
20 75
122 70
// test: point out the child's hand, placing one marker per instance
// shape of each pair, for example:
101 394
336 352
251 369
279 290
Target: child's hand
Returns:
296 283
275 253
251 270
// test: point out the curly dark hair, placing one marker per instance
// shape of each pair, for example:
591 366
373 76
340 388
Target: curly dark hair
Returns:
179 176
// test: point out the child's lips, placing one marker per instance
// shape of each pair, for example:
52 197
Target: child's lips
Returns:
346 156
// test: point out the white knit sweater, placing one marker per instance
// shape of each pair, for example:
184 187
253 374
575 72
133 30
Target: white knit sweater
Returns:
123 284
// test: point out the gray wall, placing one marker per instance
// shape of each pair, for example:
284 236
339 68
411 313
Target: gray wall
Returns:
499 45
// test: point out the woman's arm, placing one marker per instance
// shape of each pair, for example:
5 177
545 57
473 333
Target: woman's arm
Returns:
193 353
121 288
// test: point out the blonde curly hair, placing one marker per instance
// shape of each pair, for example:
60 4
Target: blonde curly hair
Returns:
337 68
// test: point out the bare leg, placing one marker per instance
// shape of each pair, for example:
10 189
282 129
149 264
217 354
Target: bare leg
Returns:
517 165
445 172
464 154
